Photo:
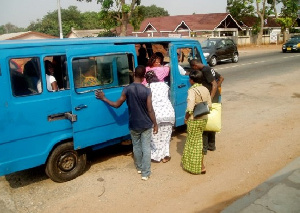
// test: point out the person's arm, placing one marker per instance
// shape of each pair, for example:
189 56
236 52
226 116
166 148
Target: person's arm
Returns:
213 89
152 114
54 86
190 105
220 80
100 95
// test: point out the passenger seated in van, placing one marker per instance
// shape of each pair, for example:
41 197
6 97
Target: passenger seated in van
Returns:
180 68
154 64
19 84
31 74
142 58
89 77
51 81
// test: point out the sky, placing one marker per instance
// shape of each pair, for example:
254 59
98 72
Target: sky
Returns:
21 12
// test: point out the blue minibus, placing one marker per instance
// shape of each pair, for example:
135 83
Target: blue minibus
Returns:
40 126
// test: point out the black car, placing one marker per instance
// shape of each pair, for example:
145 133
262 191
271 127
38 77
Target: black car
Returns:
292 45
219 49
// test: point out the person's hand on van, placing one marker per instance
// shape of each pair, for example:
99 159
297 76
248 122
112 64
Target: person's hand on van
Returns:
99 94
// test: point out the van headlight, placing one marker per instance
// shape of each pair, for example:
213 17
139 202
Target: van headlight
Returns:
295 46
283 47
206 55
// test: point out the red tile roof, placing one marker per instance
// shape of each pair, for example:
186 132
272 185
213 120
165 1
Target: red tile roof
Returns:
196 22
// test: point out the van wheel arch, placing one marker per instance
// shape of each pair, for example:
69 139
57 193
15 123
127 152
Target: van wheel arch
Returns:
65 163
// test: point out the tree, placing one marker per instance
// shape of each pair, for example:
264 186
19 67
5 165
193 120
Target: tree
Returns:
261 14
240 8
273 4
71 17
153 11
288 15
119 10
10 28
142 12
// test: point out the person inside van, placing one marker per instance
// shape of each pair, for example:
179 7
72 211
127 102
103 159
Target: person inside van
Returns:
32 75
89 76
154 63
51 81
180 68
142 57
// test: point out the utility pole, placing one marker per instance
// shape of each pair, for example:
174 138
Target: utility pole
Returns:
59 20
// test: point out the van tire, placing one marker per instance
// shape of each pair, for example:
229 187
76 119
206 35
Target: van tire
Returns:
65 163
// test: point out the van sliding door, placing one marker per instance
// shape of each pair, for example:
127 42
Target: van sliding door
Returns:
105 67
180 56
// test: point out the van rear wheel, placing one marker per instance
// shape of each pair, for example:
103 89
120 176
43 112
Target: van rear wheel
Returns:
65 163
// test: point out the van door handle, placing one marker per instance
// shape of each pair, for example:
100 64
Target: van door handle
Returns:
81 106
181 85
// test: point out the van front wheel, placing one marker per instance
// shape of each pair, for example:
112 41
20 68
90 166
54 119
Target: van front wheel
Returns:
65 163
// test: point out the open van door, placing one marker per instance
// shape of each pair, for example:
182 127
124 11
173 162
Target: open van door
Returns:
180 55
95 122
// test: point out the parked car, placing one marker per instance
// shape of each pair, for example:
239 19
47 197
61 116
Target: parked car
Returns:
292 45
219 49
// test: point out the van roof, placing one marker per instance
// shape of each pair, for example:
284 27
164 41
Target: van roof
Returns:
98 40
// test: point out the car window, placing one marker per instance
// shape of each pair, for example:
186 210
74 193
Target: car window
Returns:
221 44
229 42
208 44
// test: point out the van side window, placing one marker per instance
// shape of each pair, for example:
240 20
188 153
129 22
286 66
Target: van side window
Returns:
185 55
59 63
105 71
25 76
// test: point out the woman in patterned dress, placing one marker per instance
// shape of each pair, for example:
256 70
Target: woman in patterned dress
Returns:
192 158
165 118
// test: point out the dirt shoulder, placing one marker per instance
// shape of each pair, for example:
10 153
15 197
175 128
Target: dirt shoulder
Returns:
260 48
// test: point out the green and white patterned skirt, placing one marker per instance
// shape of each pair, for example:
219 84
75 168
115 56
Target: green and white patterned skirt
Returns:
192 153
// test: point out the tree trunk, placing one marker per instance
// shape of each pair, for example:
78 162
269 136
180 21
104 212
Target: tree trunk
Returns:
274 7
261 15
261 31
124 22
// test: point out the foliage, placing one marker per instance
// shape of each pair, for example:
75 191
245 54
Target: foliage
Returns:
240 8
142 12
288 14
71 18
119 11
107 34
10 28
153 11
